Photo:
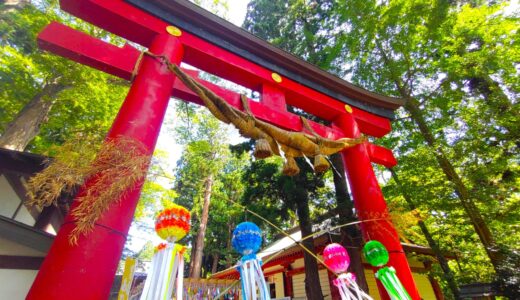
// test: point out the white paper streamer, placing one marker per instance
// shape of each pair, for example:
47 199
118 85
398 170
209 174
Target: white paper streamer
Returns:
166 275
253 281
348 288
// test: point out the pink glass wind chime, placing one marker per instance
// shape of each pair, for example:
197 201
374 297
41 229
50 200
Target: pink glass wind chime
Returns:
337 259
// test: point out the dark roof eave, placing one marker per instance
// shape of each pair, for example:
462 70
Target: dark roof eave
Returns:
21 162
25 235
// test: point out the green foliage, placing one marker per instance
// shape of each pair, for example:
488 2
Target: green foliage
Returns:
459 62
274 196
218 7
91 99
206 153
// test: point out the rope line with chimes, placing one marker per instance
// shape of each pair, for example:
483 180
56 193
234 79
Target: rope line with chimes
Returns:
270 139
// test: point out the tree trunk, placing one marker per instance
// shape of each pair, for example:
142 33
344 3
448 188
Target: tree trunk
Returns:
497 103
351 237
26 125
214 265
448 274
492 92
462 192
192 255
312 279
494 253
199 248
229 246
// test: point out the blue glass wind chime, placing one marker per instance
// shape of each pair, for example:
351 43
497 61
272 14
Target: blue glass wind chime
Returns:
246 240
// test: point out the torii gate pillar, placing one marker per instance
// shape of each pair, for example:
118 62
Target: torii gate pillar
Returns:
370 204
86 270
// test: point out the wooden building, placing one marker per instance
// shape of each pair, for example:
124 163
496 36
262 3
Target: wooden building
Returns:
26 233
285 272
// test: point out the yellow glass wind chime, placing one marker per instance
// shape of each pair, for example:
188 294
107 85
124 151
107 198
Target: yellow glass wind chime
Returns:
166 274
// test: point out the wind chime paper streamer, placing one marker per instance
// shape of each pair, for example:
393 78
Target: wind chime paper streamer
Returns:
126 281
377 255
167 270
337 259
246 240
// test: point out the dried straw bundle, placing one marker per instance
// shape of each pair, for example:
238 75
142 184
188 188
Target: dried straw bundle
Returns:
119 166
270 139
70 165
262 149
321 164
290 168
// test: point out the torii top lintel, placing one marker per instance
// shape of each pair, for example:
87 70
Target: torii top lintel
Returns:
239 41
221 48
142 24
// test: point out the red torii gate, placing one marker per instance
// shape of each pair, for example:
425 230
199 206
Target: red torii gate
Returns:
86 270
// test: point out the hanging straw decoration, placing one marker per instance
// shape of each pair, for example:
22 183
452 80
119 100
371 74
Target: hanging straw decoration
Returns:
337 259
166 274
106 173
246 240
290 167
377 255
269 138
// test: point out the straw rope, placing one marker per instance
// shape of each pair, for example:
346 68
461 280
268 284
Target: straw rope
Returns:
270 139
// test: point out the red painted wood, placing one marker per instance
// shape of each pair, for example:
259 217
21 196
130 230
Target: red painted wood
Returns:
273 97
118 17
288 284
81 47
370 204
436 288
86 270
381 155
120 62
133 24
273 272
301 270
296 271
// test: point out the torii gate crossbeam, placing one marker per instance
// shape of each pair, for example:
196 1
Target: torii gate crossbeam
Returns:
86 270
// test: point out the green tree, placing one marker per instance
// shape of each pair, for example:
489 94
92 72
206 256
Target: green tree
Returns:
44 99
199 176
405 42
443 262
218 7
274 196
456 137
300 29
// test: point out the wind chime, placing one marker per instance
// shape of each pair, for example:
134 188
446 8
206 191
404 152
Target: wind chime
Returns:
166 274
337 259
246 240
377 255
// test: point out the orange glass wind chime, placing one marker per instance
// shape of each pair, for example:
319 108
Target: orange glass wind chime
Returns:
166 274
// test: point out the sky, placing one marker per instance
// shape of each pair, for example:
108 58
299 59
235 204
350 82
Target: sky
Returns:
237 11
